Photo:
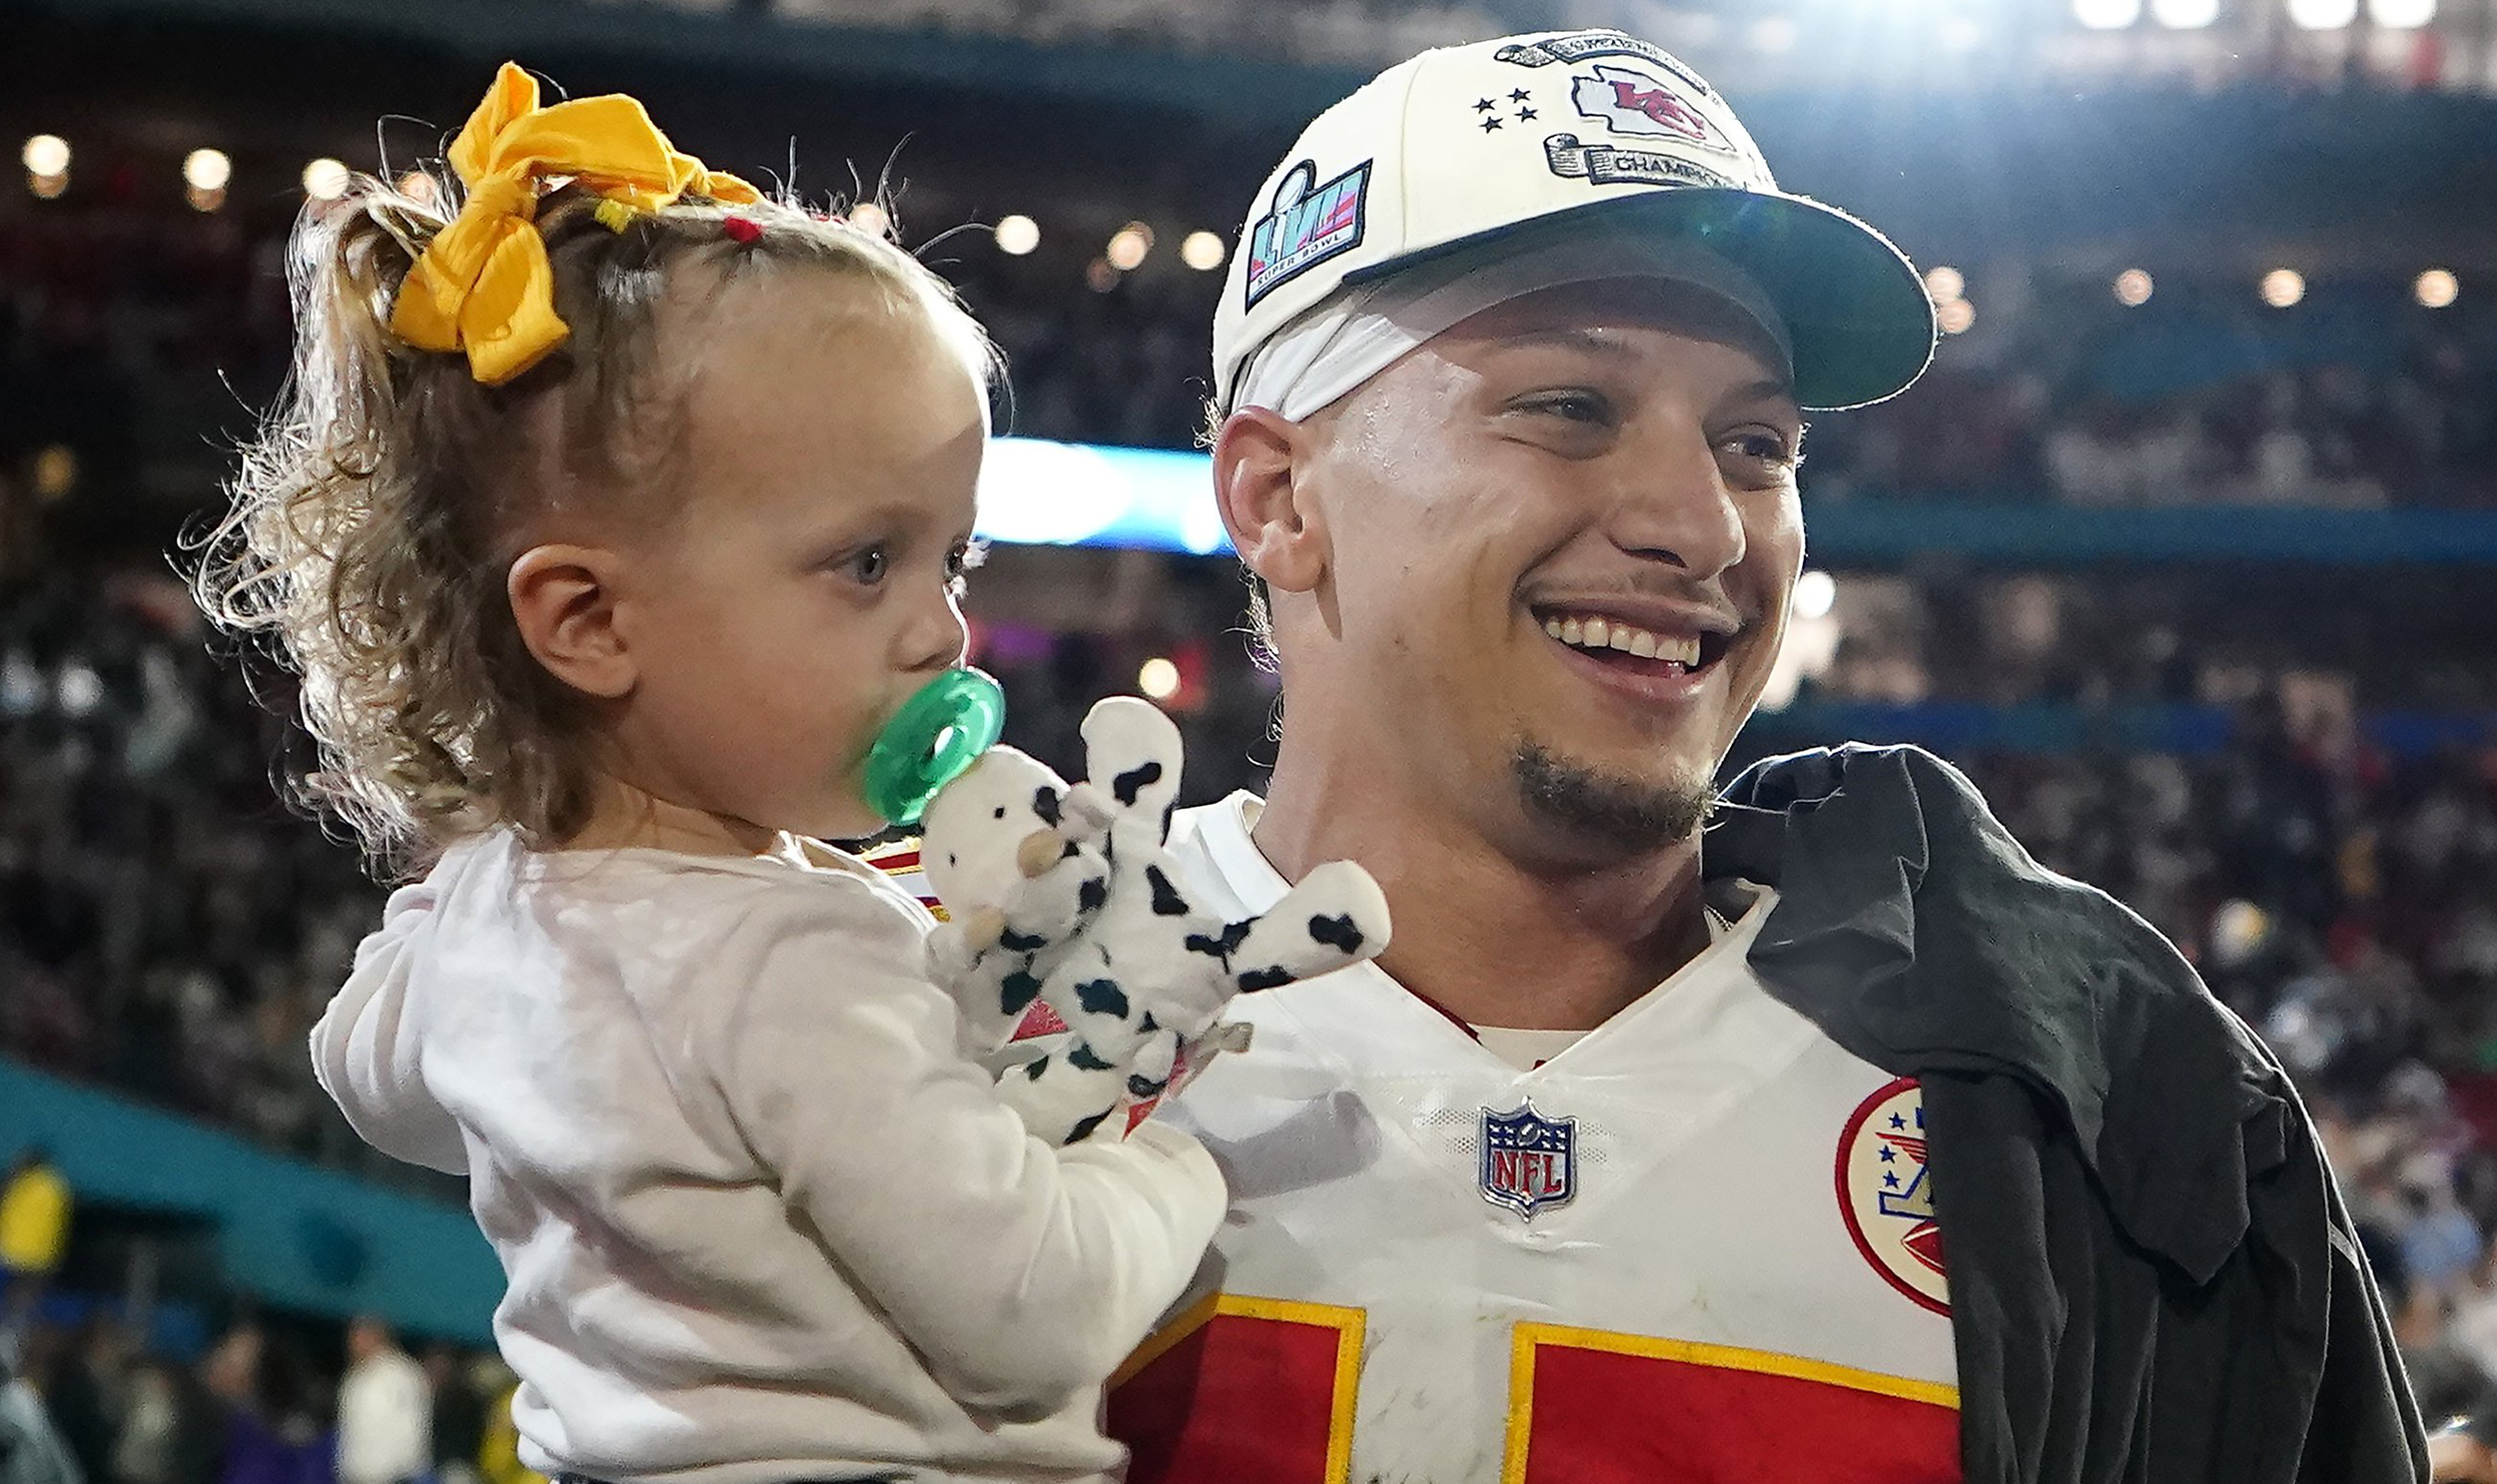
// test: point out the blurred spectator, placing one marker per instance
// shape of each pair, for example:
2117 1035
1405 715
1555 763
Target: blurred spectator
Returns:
459 1415
499 1459
172 1431
385 1410
271 1434
85 1389
34 1226
30 1451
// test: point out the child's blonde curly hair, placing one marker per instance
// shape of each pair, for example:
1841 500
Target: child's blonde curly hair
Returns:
376 513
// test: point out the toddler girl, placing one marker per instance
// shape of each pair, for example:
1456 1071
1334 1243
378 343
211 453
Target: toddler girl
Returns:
606 520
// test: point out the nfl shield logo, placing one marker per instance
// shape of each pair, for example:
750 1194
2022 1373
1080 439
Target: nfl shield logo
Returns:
1530 1161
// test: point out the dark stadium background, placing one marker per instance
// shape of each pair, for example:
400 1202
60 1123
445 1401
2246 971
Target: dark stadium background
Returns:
2184 548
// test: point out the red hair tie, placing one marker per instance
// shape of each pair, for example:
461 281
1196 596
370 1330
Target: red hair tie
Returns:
741 229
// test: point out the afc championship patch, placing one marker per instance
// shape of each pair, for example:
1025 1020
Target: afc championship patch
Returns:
1530 1162
1886 1196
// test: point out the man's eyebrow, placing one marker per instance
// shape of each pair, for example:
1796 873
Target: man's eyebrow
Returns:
1765 387
1570 338
1579 338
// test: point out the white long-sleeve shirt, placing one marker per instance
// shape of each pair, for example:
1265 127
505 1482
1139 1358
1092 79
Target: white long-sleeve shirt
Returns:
762 1219
386 1420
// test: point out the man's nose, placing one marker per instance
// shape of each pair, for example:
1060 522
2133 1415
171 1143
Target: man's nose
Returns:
1671 502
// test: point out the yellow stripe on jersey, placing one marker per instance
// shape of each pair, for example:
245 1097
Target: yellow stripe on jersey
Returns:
1527 1336
900 862
1347 1323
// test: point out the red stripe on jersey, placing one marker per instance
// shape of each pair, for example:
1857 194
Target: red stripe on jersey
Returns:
1243 1391
1589 1407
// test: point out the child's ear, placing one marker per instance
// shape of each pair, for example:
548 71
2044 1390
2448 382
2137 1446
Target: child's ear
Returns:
564 599
1277 530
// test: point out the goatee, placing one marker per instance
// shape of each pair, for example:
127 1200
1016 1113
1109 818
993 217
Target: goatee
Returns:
1624 813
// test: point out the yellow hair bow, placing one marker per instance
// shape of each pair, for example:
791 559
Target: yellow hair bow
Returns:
482 283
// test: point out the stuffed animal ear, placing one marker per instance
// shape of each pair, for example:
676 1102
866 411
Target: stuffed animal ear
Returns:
1133 753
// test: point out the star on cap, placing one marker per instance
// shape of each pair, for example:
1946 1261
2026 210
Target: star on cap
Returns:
1518 95
1484 106
1490 124
1524 113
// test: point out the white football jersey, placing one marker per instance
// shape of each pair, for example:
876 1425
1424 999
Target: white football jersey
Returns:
1696 1245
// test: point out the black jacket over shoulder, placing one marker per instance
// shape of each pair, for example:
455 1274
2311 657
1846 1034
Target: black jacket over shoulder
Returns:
2152 1276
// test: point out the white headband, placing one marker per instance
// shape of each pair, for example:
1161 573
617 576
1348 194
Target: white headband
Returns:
1360 332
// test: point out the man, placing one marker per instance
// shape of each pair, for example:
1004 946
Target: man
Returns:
31 1452
386 1409
35 1208
1851 1146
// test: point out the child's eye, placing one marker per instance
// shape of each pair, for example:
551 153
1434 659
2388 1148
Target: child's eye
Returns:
871 565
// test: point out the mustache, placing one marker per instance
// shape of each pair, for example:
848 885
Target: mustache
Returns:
1656 586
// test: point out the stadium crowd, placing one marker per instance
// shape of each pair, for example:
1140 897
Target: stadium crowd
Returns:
168 928
137 335
265 1403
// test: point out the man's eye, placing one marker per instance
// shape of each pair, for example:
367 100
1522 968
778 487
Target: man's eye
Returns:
1576 406
1769 447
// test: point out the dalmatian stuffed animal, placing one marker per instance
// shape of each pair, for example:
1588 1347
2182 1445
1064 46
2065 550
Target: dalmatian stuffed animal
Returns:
1145 980
1019 878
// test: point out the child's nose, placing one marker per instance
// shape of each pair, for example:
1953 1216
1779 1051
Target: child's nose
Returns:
937 636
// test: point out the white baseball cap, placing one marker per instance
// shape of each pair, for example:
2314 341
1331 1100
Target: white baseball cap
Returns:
1469 143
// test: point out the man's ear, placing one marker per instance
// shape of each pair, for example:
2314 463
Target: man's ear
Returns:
1277 530
564 599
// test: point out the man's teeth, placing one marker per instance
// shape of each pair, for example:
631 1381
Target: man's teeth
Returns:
1608 633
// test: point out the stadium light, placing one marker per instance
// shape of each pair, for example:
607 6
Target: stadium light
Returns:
56 473
206 170
1129 245
871 219
48 187
326 179
46 154
2437 287
1956 317
2323 15
1100 275
2283 287
1157 678
1774 34
1816 592
1017 235
2133 288
1945 284
2184 15
1202 251
2106 15
2401 15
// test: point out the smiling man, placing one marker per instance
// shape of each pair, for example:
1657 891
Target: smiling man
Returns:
1845 1145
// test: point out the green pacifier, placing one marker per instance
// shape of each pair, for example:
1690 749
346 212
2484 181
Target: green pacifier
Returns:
928 743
